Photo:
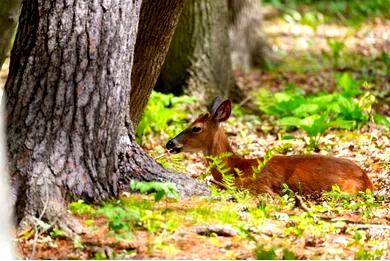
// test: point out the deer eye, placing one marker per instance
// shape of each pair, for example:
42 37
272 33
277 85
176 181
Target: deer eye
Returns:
196 129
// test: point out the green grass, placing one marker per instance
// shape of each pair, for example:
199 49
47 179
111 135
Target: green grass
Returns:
130 214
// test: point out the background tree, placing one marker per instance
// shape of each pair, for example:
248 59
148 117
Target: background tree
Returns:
9 14
249 45
212 35
151 48
68 92
198 61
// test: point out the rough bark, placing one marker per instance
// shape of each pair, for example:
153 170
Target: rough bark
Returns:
198 61
68 83
9 14
151 48
249 46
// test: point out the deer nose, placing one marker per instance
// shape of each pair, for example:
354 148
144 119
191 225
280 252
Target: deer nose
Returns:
170 144
173 146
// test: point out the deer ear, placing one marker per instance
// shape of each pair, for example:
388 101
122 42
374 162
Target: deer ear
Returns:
223 111
214 104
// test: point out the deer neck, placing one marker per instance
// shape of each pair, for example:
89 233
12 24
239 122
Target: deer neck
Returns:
220 146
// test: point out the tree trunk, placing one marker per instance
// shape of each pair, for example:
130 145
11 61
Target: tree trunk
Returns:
151 49
9 14
249 46
198 61
68 91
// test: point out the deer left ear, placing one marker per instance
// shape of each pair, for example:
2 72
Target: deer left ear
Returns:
222 113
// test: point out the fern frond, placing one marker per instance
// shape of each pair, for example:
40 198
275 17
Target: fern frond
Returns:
268 156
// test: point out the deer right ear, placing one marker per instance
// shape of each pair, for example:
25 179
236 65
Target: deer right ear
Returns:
222 113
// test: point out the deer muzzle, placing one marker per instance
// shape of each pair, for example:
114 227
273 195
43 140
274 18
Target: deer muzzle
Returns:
173 146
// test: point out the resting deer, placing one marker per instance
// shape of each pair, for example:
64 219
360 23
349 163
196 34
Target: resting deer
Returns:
302 173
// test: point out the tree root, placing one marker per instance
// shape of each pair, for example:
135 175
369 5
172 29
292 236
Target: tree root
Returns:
64 221
47 221
135 163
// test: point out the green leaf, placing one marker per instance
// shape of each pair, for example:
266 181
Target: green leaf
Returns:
305 109
322 100
161 189
349 86
288 255
343 124
58 233
290 121
263 254
80 207
159 195
381 119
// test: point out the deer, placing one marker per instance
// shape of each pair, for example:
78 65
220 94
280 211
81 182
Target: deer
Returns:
305 174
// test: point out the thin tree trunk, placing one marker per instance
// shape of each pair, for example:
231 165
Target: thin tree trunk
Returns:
151 49
68 91
249 46
9 14
198 61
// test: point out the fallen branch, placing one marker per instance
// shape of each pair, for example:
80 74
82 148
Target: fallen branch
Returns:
218 183
220 230
367 226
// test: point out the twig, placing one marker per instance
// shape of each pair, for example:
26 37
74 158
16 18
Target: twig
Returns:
355 223
366 226
160 156
218 183
302 204
341 16
245 100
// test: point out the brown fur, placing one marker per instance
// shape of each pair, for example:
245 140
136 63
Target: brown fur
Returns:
302 173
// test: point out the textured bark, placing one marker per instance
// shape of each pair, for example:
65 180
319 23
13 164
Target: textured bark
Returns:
67 88
198 61
68 91
249 46
157 24
9 14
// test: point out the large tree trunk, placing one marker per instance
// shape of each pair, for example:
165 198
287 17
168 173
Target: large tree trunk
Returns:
198 61
9 14
249 46
68 91
151 49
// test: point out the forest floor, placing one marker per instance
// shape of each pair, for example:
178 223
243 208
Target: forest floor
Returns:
239 226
